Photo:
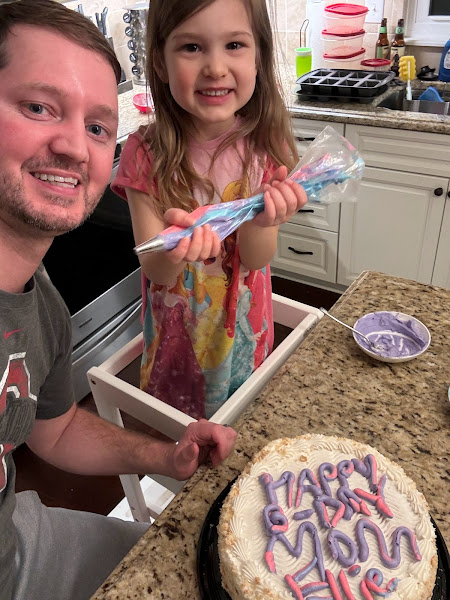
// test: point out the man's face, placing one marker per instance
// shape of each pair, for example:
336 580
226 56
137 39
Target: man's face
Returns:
58 126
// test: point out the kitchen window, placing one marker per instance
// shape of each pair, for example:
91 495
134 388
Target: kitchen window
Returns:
427 22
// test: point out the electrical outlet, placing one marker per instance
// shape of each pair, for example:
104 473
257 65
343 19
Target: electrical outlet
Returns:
375 13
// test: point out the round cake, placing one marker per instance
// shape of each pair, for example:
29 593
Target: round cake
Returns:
318 517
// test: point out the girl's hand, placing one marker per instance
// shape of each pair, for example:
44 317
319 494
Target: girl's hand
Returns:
282 200
203 244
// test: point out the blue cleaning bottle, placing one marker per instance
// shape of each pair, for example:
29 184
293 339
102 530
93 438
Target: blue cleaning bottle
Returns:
444 67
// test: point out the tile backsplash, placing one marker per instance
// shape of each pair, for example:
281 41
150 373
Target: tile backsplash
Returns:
287 17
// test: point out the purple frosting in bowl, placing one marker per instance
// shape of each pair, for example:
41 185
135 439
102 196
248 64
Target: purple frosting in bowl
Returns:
398 337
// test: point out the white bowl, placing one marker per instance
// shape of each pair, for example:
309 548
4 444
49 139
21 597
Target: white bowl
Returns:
402 337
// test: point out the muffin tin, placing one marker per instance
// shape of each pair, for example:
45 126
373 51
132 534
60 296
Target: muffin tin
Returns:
343 85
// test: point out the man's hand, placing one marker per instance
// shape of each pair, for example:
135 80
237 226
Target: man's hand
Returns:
203 244
282 199
201 441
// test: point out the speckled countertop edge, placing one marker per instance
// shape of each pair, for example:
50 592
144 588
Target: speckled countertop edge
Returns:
363 114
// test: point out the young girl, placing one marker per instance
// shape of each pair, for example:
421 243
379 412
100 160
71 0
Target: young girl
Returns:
221 132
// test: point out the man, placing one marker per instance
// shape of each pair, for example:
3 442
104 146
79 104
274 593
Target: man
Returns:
58 124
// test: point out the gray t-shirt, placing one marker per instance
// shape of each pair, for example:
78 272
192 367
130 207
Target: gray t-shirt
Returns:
35 382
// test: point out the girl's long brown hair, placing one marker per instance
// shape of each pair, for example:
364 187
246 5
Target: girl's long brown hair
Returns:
265 119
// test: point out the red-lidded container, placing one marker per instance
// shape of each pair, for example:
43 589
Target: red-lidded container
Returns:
343 42
350 15
376 64
344 61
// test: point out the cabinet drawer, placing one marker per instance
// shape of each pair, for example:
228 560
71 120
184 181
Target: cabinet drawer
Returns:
322 216
306 130
307 251
411 151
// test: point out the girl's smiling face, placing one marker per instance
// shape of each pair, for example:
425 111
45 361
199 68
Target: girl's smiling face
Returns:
210 66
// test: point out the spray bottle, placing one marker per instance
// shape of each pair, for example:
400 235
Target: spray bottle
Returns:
444 67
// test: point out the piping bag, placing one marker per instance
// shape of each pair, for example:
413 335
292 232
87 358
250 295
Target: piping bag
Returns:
329 172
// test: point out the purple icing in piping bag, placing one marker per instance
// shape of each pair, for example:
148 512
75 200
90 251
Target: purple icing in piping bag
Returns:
343 164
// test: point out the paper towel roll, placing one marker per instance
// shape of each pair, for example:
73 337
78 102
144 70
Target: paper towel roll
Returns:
314 12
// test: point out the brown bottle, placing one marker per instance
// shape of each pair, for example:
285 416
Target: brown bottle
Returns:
382 45
397 46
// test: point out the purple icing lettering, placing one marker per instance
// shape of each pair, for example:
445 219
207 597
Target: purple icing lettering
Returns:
297 550
313 587
287 478
353 503
302 573
324 478
354 570
393 562
314 488
320 504
374 579
301 515
368 469
377 498
334 539
344 469
274 519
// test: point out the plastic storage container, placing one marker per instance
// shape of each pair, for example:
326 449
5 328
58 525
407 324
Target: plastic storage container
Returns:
348 15
344 61
376 64
342 43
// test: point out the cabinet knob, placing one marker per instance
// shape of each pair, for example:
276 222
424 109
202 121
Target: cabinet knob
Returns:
438 192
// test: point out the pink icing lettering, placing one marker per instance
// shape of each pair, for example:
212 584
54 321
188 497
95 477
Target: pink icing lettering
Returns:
270 561
333 585
377 499
345 586
294 587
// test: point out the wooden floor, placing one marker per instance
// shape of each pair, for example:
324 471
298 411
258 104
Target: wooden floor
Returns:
102 494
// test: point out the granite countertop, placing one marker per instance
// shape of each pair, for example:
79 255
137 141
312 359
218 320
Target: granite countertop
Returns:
345 112
327 386
375 115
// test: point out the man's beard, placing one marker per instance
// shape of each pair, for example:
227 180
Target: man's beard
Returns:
14 202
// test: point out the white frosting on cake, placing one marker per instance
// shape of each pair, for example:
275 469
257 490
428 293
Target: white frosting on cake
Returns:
243 537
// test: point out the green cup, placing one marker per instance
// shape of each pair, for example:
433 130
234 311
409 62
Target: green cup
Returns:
303 58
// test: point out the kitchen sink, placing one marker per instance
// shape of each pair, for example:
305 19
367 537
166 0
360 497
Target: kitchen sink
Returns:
397 101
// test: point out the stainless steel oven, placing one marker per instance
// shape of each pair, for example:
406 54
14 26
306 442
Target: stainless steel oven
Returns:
97 273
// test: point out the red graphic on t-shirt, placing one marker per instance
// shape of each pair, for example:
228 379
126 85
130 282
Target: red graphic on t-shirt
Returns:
8 333
16 380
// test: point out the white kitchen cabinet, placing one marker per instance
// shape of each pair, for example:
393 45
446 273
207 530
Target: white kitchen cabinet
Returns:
393 227
307 245
307 251
398 225
441 273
